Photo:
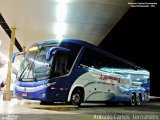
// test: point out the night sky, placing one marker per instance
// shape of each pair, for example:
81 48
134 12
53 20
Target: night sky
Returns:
135 38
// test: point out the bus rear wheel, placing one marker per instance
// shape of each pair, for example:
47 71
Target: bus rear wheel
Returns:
138 100
76 97
133 100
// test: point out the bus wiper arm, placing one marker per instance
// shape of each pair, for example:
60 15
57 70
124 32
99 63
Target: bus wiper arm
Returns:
20 77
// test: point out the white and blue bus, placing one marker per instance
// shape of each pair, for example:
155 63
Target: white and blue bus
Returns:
75 71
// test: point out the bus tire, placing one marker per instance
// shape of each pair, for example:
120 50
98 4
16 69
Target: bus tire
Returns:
138 100
76 97
133 100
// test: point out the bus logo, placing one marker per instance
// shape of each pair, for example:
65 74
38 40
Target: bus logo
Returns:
107 77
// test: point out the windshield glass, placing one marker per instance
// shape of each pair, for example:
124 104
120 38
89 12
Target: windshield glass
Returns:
34 66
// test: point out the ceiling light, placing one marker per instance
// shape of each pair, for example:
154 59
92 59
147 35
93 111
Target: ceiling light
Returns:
62 1
4 57
61 12
60 28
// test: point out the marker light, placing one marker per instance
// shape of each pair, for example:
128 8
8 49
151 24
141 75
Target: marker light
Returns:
34 48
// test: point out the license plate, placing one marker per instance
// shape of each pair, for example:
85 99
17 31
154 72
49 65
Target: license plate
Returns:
24 94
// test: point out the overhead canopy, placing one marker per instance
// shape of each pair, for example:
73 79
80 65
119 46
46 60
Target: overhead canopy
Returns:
37 20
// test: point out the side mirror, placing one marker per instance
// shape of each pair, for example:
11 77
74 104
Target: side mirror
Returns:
16 54
53 49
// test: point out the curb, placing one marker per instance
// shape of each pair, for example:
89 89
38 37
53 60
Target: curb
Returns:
56 107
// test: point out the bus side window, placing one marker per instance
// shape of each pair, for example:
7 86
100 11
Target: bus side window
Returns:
60 64
89 58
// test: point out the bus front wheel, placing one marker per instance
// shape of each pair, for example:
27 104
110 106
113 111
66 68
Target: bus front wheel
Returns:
76 97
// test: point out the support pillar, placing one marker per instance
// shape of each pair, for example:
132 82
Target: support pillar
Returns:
7 93
24 48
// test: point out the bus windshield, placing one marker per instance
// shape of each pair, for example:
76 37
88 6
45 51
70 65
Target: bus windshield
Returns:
35 66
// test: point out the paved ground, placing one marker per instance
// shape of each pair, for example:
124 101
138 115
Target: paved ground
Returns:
31 110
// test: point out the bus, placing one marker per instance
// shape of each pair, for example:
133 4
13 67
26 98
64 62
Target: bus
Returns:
75 71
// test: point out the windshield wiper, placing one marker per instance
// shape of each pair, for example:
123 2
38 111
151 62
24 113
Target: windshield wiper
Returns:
20 77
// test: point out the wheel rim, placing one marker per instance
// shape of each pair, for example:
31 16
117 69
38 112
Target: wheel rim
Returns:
76 99
133 100
138 100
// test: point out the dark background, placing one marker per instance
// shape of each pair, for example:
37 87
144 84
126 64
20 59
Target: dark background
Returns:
135 38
